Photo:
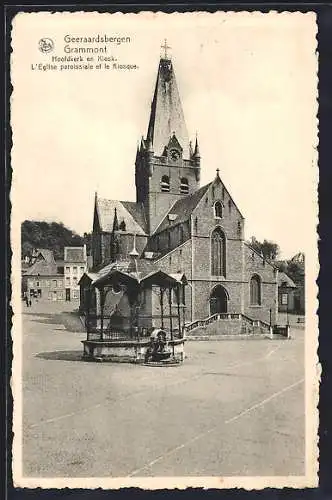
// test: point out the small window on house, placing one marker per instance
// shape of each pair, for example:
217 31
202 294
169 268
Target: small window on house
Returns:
255 290
68 281
184 186
54 283
75 269
60 284
74 280
37 283
67 269
218 210
81 269
164 184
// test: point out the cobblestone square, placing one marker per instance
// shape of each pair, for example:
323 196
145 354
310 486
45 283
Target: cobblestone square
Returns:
235 407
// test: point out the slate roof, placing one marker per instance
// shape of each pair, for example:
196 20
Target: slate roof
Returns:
145 270
42 268
47 254
183 208
285 280
144 267
74 254
166 112
136 210
129 212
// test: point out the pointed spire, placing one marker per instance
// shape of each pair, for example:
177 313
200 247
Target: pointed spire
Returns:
196 151
115 221
166 114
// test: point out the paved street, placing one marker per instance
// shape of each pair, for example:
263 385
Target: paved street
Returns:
235 407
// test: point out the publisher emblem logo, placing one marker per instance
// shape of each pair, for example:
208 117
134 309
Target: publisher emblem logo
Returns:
46 45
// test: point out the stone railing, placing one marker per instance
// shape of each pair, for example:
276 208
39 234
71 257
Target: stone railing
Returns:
201 323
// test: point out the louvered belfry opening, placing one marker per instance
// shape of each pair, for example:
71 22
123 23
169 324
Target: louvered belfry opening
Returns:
184 186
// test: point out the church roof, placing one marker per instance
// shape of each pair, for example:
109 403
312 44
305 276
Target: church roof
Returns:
131 213
183 208
136 210
166 115
42 268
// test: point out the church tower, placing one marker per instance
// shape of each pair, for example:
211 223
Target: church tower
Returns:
167 167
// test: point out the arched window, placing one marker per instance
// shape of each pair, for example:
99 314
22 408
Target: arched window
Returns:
164 184
218 209
218 253
255 290
184 186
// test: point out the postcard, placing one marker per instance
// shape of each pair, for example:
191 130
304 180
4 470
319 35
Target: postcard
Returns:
163 230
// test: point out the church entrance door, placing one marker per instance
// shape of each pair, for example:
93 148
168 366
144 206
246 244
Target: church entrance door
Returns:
218 300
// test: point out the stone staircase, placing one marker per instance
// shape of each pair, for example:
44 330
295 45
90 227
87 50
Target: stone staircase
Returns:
226 325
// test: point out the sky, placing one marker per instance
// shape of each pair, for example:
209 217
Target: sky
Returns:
248 88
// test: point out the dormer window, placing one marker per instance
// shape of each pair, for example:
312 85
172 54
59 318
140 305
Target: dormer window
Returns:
218 209
164 184
184 186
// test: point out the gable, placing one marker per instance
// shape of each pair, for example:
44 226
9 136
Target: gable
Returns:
205 215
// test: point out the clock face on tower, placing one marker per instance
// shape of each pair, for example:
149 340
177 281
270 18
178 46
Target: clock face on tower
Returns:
174 154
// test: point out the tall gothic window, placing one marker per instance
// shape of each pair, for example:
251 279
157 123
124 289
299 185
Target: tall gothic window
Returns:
255 290
164 184
218 209
184 186
218 253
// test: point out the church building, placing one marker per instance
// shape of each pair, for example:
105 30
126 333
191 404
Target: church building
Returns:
180 227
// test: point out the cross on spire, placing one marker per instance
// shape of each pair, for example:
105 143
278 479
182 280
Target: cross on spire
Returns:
165 47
